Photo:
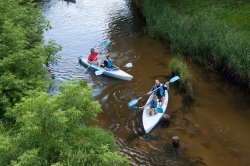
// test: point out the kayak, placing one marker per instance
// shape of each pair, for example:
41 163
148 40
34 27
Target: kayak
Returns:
119 74
149 122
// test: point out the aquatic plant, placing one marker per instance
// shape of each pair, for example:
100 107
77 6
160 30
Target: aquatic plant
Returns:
177 67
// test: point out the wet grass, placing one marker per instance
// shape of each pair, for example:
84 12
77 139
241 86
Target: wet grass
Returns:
203 36
177 67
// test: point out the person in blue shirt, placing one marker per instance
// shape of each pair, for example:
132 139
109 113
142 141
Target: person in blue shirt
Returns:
159 90
152 104
108 64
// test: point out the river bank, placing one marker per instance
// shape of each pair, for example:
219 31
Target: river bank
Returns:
206 32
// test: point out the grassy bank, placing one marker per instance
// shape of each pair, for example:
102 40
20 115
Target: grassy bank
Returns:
207 31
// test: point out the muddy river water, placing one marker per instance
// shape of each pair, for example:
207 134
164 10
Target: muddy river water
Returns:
214 130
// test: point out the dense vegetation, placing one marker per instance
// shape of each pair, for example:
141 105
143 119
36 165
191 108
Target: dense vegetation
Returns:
22 52
35 127
54 130
214 33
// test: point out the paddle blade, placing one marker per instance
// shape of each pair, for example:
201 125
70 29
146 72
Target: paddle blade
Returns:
174 79
159 110
128 65
107 43
133 102
98 72
134 107
85 70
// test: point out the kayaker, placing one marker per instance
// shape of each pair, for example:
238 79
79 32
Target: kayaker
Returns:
160 92
108 64
92 58
153 104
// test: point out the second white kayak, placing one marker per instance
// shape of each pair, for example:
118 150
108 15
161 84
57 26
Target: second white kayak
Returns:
120 74
149 122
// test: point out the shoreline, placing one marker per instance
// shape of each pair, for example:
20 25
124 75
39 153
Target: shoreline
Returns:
202 37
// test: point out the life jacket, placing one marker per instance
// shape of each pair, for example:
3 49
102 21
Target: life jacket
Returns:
153 104
162 91
108 64
93 57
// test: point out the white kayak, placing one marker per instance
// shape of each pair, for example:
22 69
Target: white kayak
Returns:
148 121
111 73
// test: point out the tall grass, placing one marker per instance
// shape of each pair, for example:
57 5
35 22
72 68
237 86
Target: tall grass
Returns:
177 67
203 37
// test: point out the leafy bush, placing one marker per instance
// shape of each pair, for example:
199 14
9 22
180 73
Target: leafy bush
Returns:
22 52
54 130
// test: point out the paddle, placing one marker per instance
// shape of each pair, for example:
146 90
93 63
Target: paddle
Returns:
100 72
159 109
128 65
106 44
135 101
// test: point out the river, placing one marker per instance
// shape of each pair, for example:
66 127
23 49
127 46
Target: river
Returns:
213 130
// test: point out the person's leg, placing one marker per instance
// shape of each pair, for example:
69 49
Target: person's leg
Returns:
99 63
154 112
162 100
95 62
150 112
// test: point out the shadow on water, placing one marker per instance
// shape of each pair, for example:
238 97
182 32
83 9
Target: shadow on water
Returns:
70 1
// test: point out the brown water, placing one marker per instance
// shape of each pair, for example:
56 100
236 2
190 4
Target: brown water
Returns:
214 130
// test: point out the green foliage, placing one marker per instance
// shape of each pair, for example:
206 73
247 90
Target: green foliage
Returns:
54 130
22 52
40 129
177 67
200 35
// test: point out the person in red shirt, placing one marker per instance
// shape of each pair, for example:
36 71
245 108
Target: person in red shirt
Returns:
93 57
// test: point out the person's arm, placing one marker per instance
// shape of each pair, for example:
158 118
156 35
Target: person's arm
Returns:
115 67
146 105
166 86
96 56
150 91
105 64
158 104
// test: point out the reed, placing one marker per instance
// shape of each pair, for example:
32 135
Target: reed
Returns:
202 36
177 67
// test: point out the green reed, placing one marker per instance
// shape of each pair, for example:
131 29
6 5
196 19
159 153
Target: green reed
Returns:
177 67
202 36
